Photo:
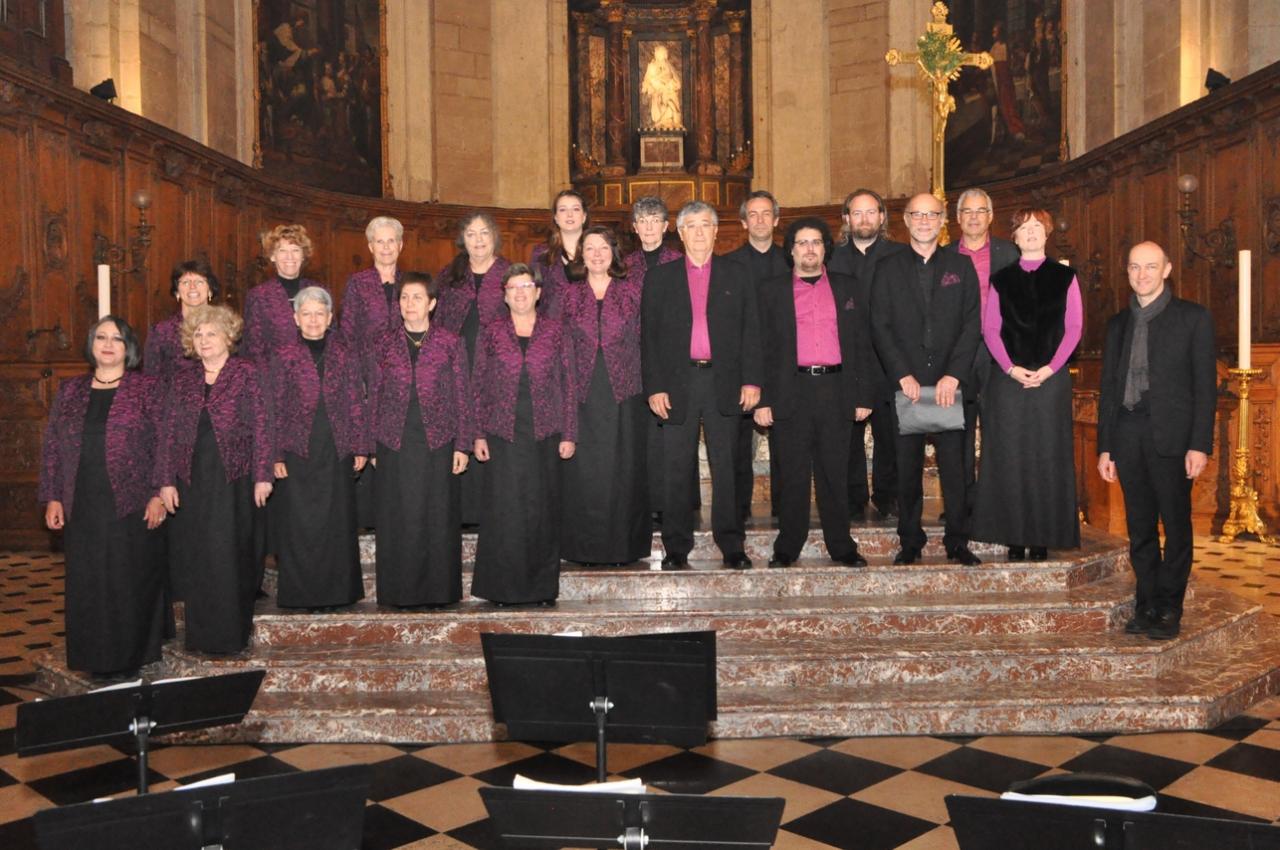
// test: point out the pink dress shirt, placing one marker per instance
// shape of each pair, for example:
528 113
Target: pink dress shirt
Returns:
817 336
982 265
1073 325
699 286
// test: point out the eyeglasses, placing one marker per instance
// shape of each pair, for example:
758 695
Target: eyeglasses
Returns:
931 215
969 211
526 284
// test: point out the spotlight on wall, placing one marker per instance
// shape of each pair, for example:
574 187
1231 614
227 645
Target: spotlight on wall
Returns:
106 90
1215 80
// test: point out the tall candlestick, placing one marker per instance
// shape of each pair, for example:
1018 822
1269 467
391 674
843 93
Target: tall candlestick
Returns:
104 290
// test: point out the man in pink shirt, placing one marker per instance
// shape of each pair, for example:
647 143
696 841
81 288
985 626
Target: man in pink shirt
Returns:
701 365
816 352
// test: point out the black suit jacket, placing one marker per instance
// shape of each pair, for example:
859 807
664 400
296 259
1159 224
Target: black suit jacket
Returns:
751 260
666 324
927 343
847 259
1182 373
778 327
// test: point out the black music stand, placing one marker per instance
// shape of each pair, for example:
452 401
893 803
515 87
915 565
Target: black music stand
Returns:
983 823
549 819
311 810
134 714
658 689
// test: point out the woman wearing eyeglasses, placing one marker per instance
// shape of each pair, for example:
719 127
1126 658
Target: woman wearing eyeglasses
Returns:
526 416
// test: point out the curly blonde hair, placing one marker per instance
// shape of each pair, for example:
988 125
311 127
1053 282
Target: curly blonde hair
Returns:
221 316
295 233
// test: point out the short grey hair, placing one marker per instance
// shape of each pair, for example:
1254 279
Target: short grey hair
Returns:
696 208
649 205
974 192
384 221
756 195
313 293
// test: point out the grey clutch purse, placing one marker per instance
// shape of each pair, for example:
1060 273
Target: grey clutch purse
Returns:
925 417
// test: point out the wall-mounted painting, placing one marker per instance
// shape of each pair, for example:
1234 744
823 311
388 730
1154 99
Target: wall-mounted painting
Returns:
1008 119
321 91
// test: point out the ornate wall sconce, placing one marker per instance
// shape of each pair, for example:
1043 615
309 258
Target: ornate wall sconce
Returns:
1065 249
56 332
1218 246
105 251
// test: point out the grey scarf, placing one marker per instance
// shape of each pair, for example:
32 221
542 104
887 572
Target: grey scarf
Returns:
1137 381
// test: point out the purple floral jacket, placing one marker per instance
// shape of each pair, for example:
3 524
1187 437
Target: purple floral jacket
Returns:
268 318
240 416
638 268
553 282
365 315
495 379
294 390
455 301
131 441
616 326
163 352
444 389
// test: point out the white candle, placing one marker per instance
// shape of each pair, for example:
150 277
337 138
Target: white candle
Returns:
1245 357
104 290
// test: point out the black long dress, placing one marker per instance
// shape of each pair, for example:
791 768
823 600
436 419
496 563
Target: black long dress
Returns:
367 480
418 516
213 555
473 478
518 547
604 504
319 555
114 600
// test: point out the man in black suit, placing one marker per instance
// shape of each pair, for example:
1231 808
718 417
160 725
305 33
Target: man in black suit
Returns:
990 254
764 260
815 349
700 362
1155 431
925 326
863 248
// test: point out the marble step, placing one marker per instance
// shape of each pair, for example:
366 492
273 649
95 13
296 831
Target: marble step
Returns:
1213 686
1213 620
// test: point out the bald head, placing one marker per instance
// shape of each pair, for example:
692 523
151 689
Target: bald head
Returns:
1148 269
923 216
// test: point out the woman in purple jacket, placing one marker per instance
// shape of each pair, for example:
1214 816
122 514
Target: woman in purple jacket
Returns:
526 419
192 283
569 215
268 311
605 518
321 442
99 448
422 428
213 466
471 297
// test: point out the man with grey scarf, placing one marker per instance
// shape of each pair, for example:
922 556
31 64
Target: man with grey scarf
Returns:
1155 431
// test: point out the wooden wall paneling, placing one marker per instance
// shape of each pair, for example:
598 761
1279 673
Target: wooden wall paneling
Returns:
17 268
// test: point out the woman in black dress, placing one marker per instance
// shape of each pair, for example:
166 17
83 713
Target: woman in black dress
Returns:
527 420
193 284
321 443
604 518
99 450
422 428
213 466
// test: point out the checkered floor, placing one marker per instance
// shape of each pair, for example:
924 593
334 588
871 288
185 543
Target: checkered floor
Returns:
858 792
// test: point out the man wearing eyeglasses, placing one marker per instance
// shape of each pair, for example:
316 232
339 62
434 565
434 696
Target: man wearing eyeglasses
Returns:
990 254
925 324
700 364
862 248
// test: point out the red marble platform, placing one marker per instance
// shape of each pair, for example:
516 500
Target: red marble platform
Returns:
816 649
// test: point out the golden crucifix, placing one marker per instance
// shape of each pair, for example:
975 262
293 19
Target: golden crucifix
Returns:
940 59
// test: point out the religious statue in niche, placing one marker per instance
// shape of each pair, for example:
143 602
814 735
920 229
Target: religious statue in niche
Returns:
661 90
320 93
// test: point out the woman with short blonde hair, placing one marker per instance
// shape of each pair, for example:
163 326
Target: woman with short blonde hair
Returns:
268 308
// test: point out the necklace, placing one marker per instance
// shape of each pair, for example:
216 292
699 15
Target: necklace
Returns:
114 380
417 343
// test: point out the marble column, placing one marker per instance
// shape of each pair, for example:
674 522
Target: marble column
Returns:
615 98
737 120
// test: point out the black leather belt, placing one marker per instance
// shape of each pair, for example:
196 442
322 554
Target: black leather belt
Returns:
700 364
819 370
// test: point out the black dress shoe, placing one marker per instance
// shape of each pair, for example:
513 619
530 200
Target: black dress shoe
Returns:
858 513
963 556
1140 621
1038 553
886 510
1017 553
675 562
853 559
1165 626
737 561
907 555
781 560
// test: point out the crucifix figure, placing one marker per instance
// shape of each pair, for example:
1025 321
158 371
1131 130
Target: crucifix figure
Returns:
940 59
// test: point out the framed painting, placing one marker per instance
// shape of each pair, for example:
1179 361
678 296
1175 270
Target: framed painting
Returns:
1009 118
321 93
